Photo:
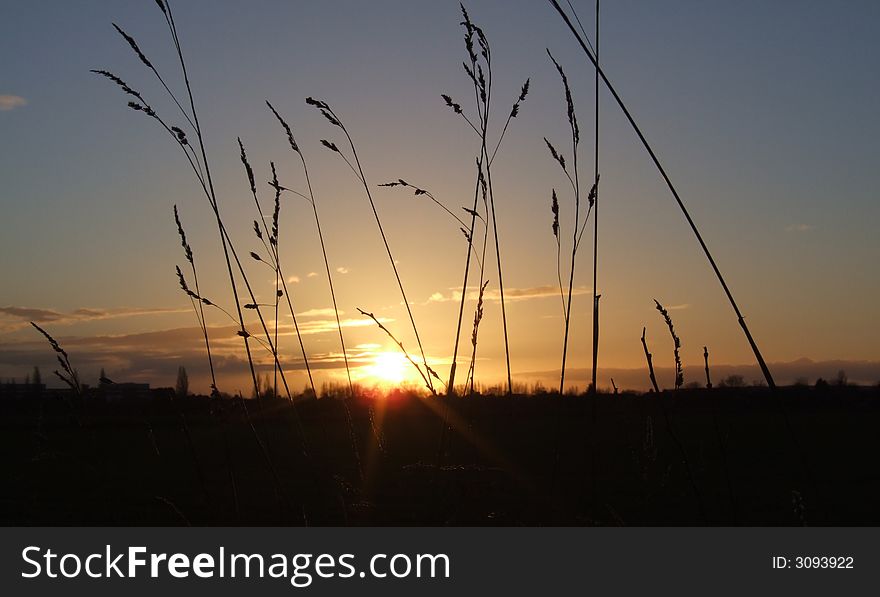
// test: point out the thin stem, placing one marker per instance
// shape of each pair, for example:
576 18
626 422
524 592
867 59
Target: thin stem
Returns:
369 193
467 266
212 197
483 284
650 360
311 199
559 273
399 345
596 222
485 153
740 318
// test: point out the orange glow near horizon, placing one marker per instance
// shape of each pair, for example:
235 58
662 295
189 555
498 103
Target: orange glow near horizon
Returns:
388 370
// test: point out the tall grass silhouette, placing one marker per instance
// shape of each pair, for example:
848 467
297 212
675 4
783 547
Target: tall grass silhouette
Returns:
531 436
596 296
201 169
195 298
67 374
478 68
676 342
358 171
198 160
706 360
554 209
294 146
310 198
263 232
578 226
583 42
649 358
467 232
679 381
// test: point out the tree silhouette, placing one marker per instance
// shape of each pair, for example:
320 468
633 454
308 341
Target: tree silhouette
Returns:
181 388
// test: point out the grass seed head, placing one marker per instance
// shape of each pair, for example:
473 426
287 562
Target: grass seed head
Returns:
556 155
247 167
554 207
181 135
679 374
514 112
594 190
134 46
572 117
455 107
187 250
287 130
277 211
120 83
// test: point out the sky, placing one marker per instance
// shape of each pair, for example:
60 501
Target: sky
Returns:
763 114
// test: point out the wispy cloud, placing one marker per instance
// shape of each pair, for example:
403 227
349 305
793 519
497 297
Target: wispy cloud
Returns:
20 316
311 274
293 280
154 357
510 294
680 307
800 228
322 326
342 270
327 312
11 102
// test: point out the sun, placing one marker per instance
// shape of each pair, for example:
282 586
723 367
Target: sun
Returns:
388 368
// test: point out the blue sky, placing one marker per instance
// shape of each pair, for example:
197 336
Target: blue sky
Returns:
763 113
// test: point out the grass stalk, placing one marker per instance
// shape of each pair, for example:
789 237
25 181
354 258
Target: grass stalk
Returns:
294 146
198 304
706 361
334 119
578 226
740 318
312 201
596 296
672 433
200 166
650 359
426 376
482 85
679 373
260 228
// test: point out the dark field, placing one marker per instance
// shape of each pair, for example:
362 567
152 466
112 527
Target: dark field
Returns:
720 457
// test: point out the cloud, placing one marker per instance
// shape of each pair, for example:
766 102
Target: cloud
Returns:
293 280
151 357
524 294
11 102
23 315
680 307
154 357
342 270
800 228
311 274
322 326
510 294
327 312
